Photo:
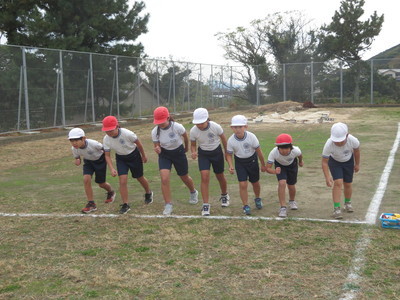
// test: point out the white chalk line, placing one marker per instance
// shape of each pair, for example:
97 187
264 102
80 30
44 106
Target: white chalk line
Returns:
353 280
176 217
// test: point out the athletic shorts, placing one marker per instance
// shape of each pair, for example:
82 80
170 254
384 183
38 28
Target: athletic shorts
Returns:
342 170
214 158
132 161
176 157
288 173
98 167
247 168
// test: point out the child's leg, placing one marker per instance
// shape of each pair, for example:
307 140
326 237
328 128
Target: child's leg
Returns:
243 192
256 189
292 191
165 185
87 183
205 181
222 183
348 190
337 191
144 183
123 188
282 192
106 186
188 181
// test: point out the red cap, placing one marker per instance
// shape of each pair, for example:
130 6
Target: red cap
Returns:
109 123
161 115
283 139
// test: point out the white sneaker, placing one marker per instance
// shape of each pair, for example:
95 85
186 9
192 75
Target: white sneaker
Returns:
348 207
194 197
205 211
282 212
337 213
293 205
224 200
167 209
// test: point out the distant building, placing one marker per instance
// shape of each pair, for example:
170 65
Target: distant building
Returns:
394 73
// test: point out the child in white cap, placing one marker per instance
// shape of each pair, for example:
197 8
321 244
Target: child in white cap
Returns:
93 163
340 159
209 135
246 149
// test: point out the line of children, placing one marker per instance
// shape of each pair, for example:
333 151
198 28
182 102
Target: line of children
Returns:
340 159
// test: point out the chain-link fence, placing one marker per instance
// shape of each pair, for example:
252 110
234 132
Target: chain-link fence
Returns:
44 88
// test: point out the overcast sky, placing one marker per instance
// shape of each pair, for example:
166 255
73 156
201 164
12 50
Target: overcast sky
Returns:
185 29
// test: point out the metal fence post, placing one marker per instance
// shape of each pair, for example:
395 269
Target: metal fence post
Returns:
91 86
157 84
62 89
25 76
257 88
284 81
117 84
372 81
341 82
312 80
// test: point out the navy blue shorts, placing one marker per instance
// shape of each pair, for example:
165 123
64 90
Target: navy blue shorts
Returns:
342 170
288 173
132 161
98 167
176 157
247 168
214 158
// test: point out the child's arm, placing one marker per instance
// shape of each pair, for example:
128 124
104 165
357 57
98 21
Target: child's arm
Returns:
325 169
270 170
300 157
357 157
229 160
193 149
224 143
261 159
141 150
110 164
186 141
157 148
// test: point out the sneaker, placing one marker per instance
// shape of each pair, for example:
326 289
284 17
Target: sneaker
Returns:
282 212
90 206
293 205
167 209
194 197
110 197
258 203
148 198
348 207
205 211
124 208
246 210
337 213
224 200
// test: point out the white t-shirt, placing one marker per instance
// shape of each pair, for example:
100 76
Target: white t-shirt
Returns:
283 160
209 138
341 154
170 137
245 147
122 144
92 150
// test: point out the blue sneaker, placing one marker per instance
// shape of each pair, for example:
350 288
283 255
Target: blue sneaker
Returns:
258 202
246 210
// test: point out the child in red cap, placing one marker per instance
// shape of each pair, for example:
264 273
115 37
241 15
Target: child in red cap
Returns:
171 149
129 155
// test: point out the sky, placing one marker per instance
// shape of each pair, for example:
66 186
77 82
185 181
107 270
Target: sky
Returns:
185 29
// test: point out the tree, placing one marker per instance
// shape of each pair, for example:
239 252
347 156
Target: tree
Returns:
267 45
101 26
347 37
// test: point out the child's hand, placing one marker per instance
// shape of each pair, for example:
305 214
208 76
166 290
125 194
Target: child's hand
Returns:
263 168
194 155
301 163
329 182
157 149
356 168
231 170
77 161
114 172
278 170
144 158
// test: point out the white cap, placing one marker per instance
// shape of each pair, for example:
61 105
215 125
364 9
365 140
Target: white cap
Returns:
76 133
239 120
200 115
339 132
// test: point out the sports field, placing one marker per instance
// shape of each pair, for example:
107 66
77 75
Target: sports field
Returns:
48 250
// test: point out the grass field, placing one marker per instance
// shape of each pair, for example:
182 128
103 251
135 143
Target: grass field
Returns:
48 251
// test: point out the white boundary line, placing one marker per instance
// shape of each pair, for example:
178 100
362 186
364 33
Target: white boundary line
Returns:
175 217
354 278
